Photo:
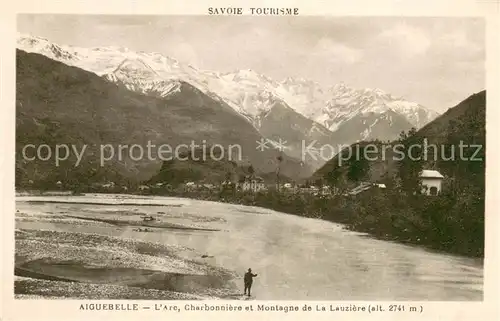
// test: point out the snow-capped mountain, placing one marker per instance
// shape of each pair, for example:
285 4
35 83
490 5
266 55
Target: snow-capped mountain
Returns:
248 92
46 48
57 102
252 93
339 114
305 96
127 65
346 103
138 76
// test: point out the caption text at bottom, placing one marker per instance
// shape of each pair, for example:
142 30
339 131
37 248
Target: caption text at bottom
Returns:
230 307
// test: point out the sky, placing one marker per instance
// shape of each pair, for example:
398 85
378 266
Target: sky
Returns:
436 62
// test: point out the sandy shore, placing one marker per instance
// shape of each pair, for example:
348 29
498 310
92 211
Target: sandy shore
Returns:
59 255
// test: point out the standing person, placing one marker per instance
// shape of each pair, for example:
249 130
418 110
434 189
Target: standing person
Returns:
248 279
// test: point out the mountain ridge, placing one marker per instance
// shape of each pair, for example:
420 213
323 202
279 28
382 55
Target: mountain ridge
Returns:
61 104
466 120
251 95
246 76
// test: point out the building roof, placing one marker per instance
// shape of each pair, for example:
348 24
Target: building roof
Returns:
250 178
427 173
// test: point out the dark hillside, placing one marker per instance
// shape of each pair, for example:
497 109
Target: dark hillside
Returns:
59 104
452 221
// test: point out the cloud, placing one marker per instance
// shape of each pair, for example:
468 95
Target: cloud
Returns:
457 44
334 51
457 39
410 40
186 53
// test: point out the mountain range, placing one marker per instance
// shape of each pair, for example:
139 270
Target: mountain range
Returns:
60 104
464 123
288 113
454 144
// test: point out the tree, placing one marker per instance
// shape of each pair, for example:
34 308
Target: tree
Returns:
20 177
165 165
358 166
319 182
333 176
251 171
358 170
465 165
411 164
279 158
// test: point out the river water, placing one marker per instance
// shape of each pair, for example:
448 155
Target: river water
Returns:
299 258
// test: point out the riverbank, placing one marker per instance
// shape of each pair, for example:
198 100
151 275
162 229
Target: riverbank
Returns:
60 256
68 253
447 223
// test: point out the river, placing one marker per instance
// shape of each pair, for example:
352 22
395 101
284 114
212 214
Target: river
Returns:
296 258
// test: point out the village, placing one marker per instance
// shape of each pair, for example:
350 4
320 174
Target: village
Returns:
431 181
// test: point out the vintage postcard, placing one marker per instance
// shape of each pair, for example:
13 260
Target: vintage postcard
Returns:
235 160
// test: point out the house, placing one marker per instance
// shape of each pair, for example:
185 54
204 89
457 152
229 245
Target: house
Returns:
209 186
109 185
334 190
308 190
303 190
255 184
190 185
227 185
363 186
431 182
326 190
